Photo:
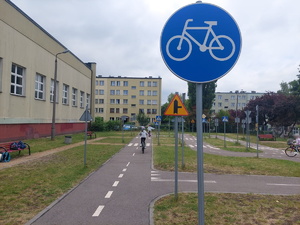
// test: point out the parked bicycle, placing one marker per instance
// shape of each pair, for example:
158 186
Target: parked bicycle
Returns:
292 150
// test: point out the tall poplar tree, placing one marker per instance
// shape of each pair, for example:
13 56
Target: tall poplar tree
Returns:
208 95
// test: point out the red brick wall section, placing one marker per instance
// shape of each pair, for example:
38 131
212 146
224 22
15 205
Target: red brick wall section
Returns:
11 132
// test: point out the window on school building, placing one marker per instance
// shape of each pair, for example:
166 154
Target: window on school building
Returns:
17 84
65 94
81 100
74 96
39 92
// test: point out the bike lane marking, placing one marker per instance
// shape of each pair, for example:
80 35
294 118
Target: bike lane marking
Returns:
98 211
286 185
109 193
115 184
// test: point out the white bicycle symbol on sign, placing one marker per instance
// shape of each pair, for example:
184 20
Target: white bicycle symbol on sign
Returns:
214 47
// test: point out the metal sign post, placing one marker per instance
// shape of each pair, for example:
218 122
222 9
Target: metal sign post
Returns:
247 129
176 108
225 119
158 119
256 131
200 60
216 125
86 116
176 156
200 171
237 121
182 143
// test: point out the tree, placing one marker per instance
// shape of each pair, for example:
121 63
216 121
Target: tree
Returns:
143 119
278 110
285 88
208 97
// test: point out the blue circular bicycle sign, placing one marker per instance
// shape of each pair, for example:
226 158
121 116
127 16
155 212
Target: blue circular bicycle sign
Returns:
200 43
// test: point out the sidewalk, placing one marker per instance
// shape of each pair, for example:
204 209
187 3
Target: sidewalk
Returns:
34 156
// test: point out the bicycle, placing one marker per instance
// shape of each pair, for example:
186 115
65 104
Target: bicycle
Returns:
292 150
143 146
214 46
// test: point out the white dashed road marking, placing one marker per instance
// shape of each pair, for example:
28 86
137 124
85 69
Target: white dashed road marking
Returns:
108 195
115 184
98 210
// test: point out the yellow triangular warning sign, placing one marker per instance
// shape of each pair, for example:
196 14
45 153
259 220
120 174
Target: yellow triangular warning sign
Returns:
176 107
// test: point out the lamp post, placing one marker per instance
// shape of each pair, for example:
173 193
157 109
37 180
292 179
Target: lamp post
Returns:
54 95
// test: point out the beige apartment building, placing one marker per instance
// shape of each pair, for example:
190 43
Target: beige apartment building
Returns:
127 96
28 58
233 100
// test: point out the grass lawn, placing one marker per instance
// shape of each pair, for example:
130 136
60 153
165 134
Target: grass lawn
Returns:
28 188
225 208
228 209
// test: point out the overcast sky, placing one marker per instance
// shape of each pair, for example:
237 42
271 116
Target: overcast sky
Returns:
123 38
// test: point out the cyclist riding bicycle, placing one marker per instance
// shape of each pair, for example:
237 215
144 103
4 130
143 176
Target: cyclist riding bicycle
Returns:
149 130
143 135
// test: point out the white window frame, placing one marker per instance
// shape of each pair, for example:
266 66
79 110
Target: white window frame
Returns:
17 80
81 100
65 94
74 97
39 92
52 91
88 100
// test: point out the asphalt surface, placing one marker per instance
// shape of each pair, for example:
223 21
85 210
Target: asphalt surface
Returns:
123 190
